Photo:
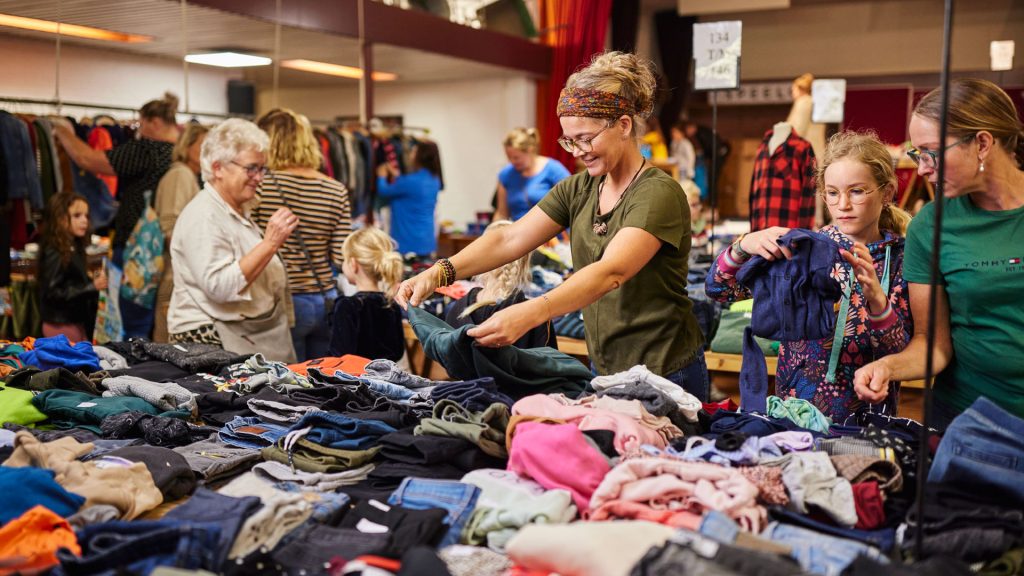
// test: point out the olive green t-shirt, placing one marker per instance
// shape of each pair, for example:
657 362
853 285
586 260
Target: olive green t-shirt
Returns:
649 319
981 266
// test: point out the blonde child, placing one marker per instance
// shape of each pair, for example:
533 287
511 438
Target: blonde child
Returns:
502 287
369 323
698 215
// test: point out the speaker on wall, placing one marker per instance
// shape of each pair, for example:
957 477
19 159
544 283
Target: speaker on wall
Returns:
241 97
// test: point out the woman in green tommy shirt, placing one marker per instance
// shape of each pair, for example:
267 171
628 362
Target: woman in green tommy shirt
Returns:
629 230
980 315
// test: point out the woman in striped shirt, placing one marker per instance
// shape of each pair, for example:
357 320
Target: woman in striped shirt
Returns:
313 253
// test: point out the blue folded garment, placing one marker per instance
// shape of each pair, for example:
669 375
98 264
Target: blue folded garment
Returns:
57 352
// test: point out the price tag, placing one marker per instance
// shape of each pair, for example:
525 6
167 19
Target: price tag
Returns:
1001 52
716 55
828 98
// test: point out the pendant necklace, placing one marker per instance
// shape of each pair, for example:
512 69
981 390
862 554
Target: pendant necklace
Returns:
601 227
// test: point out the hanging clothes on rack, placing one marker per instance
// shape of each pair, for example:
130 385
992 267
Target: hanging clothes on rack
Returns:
782 189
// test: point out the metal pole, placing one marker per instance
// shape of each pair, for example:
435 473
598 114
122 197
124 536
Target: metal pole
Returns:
923 451
713 193
184 51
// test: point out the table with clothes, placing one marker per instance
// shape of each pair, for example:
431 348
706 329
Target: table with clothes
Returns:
145 458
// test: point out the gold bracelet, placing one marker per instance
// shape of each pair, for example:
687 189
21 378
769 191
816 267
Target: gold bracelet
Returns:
548 301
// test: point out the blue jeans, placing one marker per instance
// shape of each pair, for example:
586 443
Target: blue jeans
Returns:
694 377
139 547
983 451
335 430
251 433
311 334
457 498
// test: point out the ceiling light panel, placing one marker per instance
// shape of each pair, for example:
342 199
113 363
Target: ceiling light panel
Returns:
65 29
228 59
335 70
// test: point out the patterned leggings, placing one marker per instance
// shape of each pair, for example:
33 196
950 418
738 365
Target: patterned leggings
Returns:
206 334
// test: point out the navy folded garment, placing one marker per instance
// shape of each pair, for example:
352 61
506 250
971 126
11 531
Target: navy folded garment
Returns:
518 373
475 395
794 299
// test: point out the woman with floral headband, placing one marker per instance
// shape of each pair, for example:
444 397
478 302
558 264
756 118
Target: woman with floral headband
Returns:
629 230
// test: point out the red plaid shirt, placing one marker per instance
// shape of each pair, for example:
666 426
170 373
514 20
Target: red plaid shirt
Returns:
782 189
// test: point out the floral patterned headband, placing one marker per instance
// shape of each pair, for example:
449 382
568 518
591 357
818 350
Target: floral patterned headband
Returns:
588 103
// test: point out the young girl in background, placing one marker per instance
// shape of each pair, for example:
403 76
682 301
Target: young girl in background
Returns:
67 294
369 323
502 287
857 181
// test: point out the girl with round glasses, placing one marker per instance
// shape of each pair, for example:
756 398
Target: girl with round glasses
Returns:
857 181
630 237
979 317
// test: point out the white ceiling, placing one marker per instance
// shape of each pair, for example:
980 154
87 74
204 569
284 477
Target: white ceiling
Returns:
209 29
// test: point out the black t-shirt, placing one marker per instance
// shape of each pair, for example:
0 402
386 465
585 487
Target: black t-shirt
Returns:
367 325
139 165
537 337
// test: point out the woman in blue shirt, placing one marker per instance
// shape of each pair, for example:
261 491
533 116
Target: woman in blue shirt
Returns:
413 199
528 176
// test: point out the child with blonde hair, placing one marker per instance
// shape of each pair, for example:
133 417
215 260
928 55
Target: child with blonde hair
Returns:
502 287
857 180
369 323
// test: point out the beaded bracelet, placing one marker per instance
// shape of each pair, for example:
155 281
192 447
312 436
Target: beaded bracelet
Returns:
446 272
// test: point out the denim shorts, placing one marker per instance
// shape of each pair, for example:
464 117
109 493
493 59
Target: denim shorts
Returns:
457 498
817 552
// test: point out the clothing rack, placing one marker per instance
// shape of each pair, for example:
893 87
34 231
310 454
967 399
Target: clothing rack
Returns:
84 105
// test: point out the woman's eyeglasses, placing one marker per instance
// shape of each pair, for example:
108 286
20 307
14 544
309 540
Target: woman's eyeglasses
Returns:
253 170
930 158
583 144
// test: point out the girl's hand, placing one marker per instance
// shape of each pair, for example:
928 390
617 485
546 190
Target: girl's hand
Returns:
100 281
864 270
764 243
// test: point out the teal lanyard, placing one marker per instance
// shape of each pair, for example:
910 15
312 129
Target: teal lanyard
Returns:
844 311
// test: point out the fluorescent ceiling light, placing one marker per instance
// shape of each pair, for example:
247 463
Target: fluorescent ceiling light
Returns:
227 59
335 70
70 29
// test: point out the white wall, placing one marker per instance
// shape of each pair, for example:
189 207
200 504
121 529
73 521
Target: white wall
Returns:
100 76
467 119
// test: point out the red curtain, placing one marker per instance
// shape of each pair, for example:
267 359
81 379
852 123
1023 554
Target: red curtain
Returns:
576 30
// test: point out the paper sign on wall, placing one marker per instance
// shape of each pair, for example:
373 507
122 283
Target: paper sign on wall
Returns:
716 55
1001 53
828 98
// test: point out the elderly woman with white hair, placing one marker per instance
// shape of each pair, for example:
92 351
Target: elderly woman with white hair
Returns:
230 288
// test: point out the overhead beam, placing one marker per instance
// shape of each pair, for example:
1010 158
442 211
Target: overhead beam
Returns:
397 27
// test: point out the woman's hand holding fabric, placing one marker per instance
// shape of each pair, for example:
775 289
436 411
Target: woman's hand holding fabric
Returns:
507 326
416 289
